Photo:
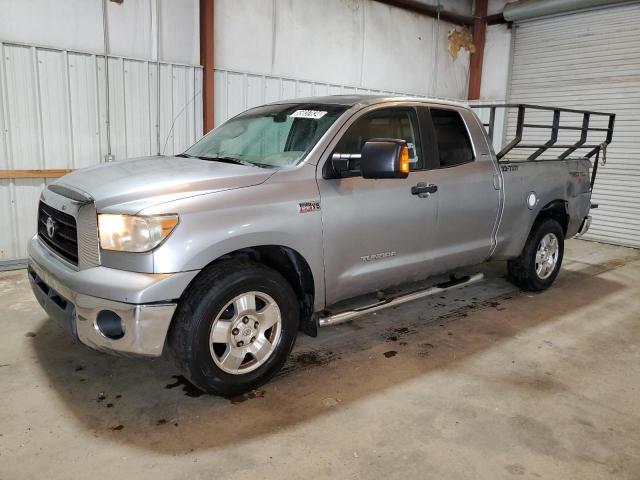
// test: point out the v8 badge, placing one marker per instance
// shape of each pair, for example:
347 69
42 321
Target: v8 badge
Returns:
306 207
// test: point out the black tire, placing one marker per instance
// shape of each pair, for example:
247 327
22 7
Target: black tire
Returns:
198 308
522 270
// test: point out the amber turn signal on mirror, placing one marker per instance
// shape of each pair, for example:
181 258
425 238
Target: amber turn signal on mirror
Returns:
404 160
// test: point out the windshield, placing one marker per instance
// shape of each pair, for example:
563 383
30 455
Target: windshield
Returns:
272 136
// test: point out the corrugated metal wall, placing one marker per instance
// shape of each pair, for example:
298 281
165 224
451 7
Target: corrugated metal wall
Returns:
238 91
590 60
53 115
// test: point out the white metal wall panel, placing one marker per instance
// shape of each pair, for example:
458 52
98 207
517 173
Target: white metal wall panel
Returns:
183 98
102 105
136 108
26 193
166 109
23 116
7 220
83 100
117 120
179 127
590 60
53 115
152 112
197 102
4 128
237 91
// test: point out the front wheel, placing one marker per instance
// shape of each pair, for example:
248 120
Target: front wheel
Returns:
539 263
234 327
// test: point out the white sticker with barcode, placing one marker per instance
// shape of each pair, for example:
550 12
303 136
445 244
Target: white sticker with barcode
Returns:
315 114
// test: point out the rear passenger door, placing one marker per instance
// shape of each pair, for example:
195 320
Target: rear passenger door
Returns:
467 200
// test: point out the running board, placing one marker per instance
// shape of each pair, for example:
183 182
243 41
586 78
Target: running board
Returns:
348 315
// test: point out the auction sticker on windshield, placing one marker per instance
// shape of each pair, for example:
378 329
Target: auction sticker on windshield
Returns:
315 114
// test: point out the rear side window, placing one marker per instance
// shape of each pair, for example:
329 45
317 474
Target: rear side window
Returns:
454 146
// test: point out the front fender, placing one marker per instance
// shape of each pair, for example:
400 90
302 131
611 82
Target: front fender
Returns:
212 226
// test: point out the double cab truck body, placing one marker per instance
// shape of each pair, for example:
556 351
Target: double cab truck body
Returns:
223 253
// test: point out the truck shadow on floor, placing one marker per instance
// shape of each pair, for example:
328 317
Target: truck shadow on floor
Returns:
146 403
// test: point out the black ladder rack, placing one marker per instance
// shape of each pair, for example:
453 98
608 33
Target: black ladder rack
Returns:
554 127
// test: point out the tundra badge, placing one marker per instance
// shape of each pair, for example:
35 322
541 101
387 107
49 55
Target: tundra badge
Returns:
377 256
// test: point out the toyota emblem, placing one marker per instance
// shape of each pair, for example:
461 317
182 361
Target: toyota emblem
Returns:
51 227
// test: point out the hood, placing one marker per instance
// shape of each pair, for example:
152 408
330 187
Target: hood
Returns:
129 186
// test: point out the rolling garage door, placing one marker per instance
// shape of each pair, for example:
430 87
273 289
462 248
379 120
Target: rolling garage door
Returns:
591 60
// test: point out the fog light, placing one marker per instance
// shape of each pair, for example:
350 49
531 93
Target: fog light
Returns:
110 324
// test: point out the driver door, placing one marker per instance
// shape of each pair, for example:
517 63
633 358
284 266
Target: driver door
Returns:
376 233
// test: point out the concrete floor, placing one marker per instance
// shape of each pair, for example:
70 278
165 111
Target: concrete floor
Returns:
487 382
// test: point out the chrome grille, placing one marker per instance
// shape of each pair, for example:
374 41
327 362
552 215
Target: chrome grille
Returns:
88 244
58 231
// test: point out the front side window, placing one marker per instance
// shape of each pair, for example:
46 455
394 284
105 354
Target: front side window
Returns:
393 123
454 146
272 136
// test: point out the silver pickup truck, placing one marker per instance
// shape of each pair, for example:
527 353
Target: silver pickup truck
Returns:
271 221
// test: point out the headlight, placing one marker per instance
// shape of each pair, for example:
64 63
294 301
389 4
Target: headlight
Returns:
132 233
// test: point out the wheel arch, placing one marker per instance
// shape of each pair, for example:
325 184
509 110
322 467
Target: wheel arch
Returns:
557 210
289 263
524 221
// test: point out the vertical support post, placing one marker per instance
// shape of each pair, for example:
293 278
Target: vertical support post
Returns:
552 140
518 138
477 58
206 59
612 120
584 132
492 122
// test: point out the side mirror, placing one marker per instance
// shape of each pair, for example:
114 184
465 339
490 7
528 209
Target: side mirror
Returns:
380 158
385 158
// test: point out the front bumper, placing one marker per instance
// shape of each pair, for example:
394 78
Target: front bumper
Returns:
77 299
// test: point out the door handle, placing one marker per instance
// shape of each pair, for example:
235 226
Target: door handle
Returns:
424 190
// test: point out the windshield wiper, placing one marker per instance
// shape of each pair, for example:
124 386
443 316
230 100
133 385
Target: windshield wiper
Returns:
233 160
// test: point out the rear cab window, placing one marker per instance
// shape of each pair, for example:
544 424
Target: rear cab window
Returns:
452 138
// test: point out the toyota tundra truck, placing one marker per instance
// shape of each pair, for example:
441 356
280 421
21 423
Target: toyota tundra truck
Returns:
273 220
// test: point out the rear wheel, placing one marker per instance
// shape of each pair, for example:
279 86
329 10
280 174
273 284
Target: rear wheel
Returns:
234 327
539 263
